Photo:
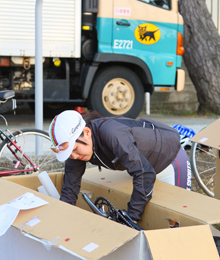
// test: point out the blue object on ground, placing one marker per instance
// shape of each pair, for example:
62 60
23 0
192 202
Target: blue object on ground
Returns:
185 131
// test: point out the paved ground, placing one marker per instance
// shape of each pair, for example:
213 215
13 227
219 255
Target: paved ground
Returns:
25 118
196 123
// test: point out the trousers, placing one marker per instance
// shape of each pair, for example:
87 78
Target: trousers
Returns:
178 173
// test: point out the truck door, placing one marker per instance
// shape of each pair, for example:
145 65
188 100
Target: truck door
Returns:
148 30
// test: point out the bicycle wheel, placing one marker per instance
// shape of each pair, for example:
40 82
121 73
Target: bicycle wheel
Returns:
203 163
25 139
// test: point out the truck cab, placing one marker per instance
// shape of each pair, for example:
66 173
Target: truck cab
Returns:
141 41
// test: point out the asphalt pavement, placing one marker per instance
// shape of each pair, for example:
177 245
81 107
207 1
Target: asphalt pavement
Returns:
195 122
25 118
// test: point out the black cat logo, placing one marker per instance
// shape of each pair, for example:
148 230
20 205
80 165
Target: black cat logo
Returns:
146 35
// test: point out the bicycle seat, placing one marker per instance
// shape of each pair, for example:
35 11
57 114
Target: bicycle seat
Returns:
6 94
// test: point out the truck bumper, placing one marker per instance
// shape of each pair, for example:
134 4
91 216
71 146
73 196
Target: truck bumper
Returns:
180 79
179 85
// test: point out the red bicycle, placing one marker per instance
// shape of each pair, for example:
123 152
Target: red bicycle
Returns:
18 147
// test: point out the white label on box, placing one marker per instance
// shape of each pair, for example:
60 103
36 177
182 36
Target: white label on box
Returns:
90 247
203 140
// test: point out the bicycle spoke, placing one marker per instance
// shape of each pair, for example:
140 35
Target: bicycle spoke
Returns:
211 179
46 161
204 151
205 162
210 169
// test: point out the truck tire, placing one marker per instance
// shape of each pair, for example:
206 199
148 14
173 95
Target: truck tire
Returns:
116 91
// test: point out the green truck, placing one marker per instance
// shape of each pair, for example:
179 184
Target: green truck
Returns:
101 54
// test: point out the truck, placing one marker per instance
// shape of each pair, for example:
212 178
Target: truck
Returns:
103 55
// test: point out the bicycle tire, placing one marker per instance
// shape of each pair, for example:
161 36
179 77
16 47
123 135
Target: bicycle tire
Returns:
203 163
25 139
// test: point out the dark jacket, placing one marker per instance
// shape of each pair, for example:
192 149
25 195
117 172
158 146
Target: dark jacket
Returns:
142 147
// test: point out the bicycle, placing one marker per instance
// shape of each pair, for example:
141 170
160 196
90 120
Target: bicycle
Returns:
203 162
202 159
18 154
103 207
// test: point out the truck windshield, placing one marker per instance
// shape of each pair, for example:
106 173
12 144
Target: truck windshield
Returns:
165 4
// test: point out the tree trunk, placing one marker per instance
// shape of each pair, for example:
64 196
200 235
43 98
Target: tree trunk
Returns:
202 54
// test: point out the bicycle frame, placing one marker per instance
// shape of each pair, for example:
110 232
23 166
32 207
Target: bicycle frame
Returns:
16 171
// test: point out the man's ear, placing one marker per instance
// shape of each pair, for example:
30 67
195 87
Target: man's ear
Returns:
87 131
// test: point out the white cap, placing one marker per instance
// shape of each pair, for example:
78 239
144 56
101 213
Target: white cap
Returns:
66 127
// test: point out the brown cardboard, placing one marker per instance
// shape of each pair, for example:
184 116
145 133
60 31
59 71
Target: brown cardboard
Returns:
192 243
31 180
217 178
168 201
209 136
61 220
189 209
185 207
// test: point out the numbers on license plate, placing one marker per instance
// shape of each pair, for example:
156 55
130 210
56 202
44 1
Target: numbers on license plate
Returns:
123 44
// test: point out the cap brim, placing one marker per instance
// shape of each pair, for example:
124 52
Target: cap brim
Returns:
64 155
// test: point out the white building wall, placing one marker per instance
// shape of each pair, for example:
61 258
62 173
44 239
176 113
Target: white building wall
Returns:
61 22
214 9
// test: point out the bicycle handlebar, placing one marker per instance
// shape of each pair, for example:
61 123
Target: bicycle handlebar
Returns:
93 207
120 216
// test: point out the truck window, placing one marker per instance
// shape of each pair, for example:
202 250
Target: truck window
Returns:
165 4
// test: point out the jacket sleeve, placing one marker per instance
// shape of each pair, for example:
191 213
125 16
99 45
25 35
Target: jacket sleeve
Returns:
74 169
143 183
122 143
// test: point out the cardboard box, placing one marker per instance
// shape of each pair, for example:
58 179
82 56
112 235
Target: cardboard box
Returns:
168 202
192 240
209 136
64 230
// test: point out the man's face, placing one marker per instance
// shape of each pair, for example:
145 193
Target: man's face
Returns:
81 151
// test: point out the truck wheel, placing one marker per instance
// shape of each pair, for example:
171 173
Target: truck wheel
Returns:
117 91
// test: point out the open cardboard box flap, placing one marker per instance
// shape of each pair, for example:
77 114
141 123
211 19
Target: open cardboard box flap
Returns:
209 136
61 220
182 243
117 187
169 200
